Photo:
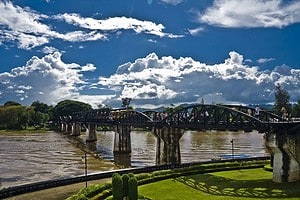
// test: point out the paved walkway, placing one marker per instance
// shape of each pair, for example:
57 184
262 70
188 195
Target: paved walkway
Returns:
57 193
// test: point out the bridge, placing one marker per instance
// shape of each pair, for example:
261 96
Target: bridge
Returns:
282 138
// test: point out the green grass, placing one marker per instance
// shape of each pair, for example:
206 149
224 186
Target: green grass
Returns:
248 184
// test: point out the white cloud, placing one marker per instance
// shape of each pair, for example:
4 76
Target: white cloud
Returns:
28 28
150 81
115 24
48 50
254 13
88 67
172 2
166 80
25 26
265 60
48 76
196 31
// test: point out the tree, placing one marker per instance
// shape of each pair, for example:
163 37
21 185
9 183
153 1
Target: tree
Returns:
41 113
12 103
296 110
40 107
126 102
282 100
13 117
68 107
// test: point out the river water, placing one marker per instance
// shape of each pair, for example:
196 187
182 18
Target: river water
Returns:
31 157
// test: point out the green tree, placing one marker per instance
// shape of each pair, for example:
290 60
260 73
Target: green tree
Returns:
41 113
172 109
126 102
296 110
40 107
13 117
282 100
12 103
67 107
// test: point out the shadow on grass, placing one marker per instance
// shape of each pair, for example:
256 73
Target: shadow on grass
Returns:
263 188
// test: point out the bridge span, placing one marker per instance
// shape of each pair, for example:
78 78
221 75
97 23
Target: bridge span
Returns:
282 137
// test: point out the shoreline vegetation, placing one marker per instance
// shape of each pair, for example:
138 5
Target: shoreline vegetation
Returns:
27 130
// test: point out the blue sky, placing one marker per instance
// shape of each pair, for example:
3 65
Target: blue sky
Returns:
157 52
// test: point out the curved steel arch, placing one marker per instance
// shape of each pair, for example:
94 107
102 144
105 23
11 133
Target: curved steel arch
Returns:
154 115
132 118
264 115
218 117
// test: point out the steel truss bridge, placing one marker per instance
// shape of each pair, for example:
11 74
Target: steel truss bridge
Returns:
282 136
195 117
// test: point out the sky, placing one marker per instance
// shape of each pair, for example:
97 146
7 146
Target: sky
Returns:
157 52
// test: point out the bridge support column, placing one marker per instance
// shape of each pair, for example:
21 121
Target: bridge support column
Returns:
122 145
63 127
122 141
75 129
91 133
68 128
285 150
168 141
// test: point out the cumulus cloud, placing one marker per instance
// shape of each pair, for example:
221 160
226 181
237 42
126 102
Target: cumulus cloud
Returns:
48 50
166 80
88 67
150 81
254 13
47 79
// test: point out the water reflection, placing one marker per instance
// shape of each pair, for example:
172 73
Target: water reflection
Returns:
30 157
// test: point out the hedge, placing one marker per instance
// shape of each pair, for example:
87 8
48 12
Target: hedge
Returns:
104 191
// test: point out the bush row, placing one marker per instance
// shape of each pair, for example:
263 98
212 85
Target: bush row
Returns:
105 190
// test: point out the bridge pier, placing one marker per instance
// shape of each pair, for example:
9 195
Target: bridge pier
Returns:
167 147
68 128
91 133
122 140
63 127
122 145
285 150
75 129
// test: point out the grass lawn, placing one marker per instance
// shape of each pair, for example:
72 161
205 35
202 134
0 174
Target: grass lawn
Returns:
246 184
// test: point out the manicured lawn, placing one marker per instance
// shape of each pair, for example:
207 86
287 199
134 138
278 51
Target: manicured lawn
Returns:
247 184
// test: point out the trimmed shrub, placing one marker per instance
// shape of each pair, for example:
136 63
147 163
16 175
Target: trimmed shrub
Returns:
125 178
117 187
133 188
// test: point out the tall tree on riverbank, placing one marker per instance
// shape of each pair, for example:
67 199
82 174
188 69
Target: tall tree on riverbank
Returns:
40 113
68 107
282 100
296 110
12 103
13 117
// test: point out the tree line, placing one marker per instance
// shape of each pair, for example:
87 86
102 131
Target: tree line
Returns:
13 115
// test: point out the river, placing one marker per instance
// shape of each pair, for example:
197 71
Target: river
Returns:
31 157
